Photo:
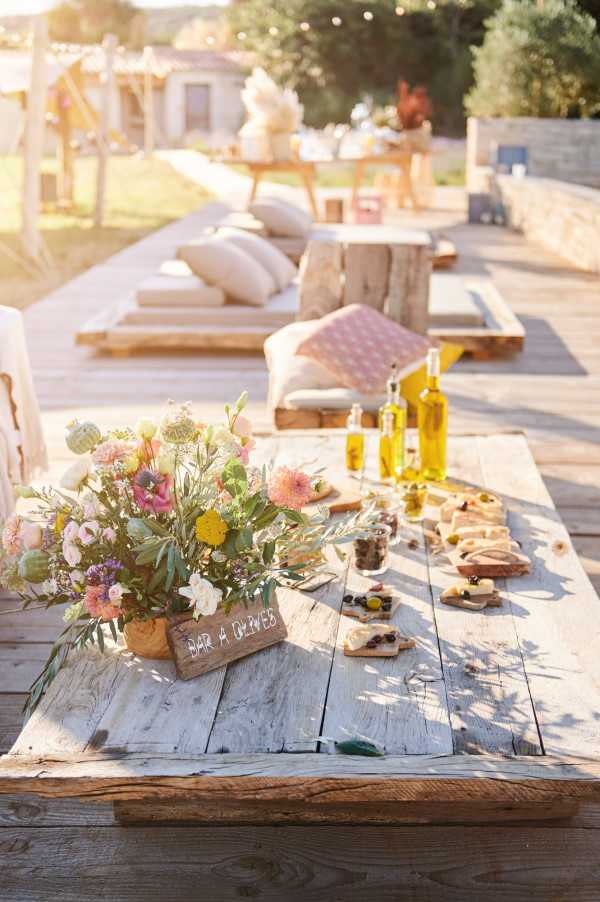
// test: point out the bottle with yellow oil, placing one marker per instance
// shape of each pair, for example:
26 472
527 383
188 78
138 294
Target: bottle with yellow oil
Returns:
388 450
432 421
396 405
355 442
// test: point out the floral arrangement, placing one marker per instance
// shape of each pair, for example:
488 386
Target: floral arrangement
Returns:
162 519
270 107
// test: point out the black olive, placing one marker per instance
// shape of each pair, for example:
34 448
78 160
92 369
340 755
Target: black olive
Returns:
361 600
464 506
348 599
465 594
474 580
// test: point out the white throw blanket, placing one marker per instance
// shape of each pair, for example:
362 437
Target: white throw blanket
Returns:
20 421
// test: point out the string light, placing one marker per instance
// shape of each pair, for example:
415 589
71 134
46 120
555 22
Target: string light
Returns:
368 15
210 39
241 35
400 10
431 4
273 31
336 21
304 26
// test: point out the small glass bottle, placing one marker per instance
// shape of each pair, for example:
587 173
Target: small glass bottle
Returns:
355 442
411 469
388 451
432 419
396 405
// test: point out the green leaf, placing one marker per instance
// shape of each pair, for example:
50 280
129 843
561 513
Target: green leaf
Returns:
268 552
295 516
357 746
170 568
100 636
229 545
244 539
266 518
268 591
113 630
234 478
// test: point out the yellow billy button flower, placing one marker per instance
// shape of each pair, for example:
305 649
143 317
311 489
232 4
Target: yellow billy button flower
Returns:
211 528
131 464
59 523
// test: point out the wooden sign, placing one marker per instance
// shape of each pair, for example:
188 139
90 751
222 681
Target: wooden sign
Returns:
210 642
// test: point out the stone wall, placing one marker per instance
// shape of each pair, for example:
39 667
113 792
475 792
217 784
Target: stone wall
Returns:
563 218
565 149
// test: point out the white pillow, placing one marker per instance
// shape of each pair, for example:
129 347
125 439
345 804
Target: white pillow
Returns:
280 218
219 262
289 373
163 290
331 399
274 261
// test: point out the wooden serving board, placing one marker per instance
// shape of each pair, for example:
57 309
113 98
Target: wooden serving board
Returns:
202 645
475 603
384 649
489 566
366 616
343 496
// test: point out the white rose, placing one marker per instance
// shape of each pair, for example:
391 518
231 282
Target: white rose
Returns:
116 593
73 612
77 473
71 554
203 596
50 587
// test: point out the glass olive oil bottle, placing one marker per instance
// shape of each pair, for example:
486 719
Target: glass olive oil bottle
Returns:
432 419
355 442
388 449
396 405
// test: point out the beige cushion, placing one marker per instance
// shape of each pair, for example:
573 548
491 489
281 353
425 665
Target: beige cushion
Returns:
277 264
223 264
164 290
280 218
331 399
288 373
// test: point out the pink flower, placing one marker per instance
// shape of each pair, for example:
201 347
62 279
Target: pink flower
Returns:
147 450
109 535
289 488
31 535
152 491
111 452
244 451
242 427
88 532
96 606
11 535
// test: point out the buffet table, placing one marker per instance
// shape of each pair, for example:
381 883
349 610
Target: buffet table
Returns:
492 719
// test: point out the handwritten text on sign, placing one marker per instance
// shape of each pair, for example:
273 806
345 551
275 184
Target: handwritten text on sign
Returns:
208 643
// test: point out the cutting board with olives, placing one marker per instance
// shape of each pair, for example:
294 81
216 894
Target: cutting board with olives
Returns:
375 640
378 602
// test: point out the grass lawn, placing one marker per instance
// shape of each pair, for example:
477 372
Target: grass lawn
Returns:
142 196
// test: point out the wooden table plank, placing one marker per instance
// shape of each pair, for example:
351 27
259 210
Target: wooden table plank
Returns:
316 779
273 701
399 702
555 608
488 695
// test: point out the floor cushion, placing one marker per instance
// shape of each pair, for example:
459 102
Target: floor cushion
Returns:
164 290
332 399
280 218
358 345
270 257
289 373
220 263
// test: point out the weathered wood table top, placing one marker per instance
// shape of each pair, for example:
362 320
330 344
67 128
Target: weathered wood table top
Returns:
490 708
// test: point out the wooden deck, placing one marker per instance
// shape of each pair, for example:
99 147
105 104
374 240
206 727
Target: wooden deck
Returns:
551 390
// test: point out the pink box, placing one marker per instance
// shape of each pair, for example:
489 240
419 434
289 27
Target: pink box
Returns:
368 209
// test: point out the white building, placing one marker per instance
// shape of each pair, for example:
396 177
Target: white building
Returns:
197 93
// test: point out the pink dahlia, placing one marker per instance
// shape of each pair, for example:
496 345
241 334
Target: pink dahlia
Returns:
97 606
290 488
152 491
111 452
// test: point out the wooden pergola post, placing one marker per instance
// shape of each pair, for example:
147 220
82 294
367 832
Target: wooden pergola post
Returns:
35 126
108 89
148 103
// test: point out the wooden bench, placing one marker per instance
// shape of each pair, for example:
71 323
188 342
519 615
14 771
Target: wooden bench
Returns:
491 726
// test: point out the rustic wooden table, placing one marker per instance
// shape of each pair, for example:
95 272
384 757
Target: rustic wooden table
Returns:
400 158
305 169
493 716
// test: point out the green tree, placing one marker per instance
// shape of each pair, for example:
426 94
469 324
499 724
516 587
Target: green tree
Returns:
331 67
87 21
537 59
